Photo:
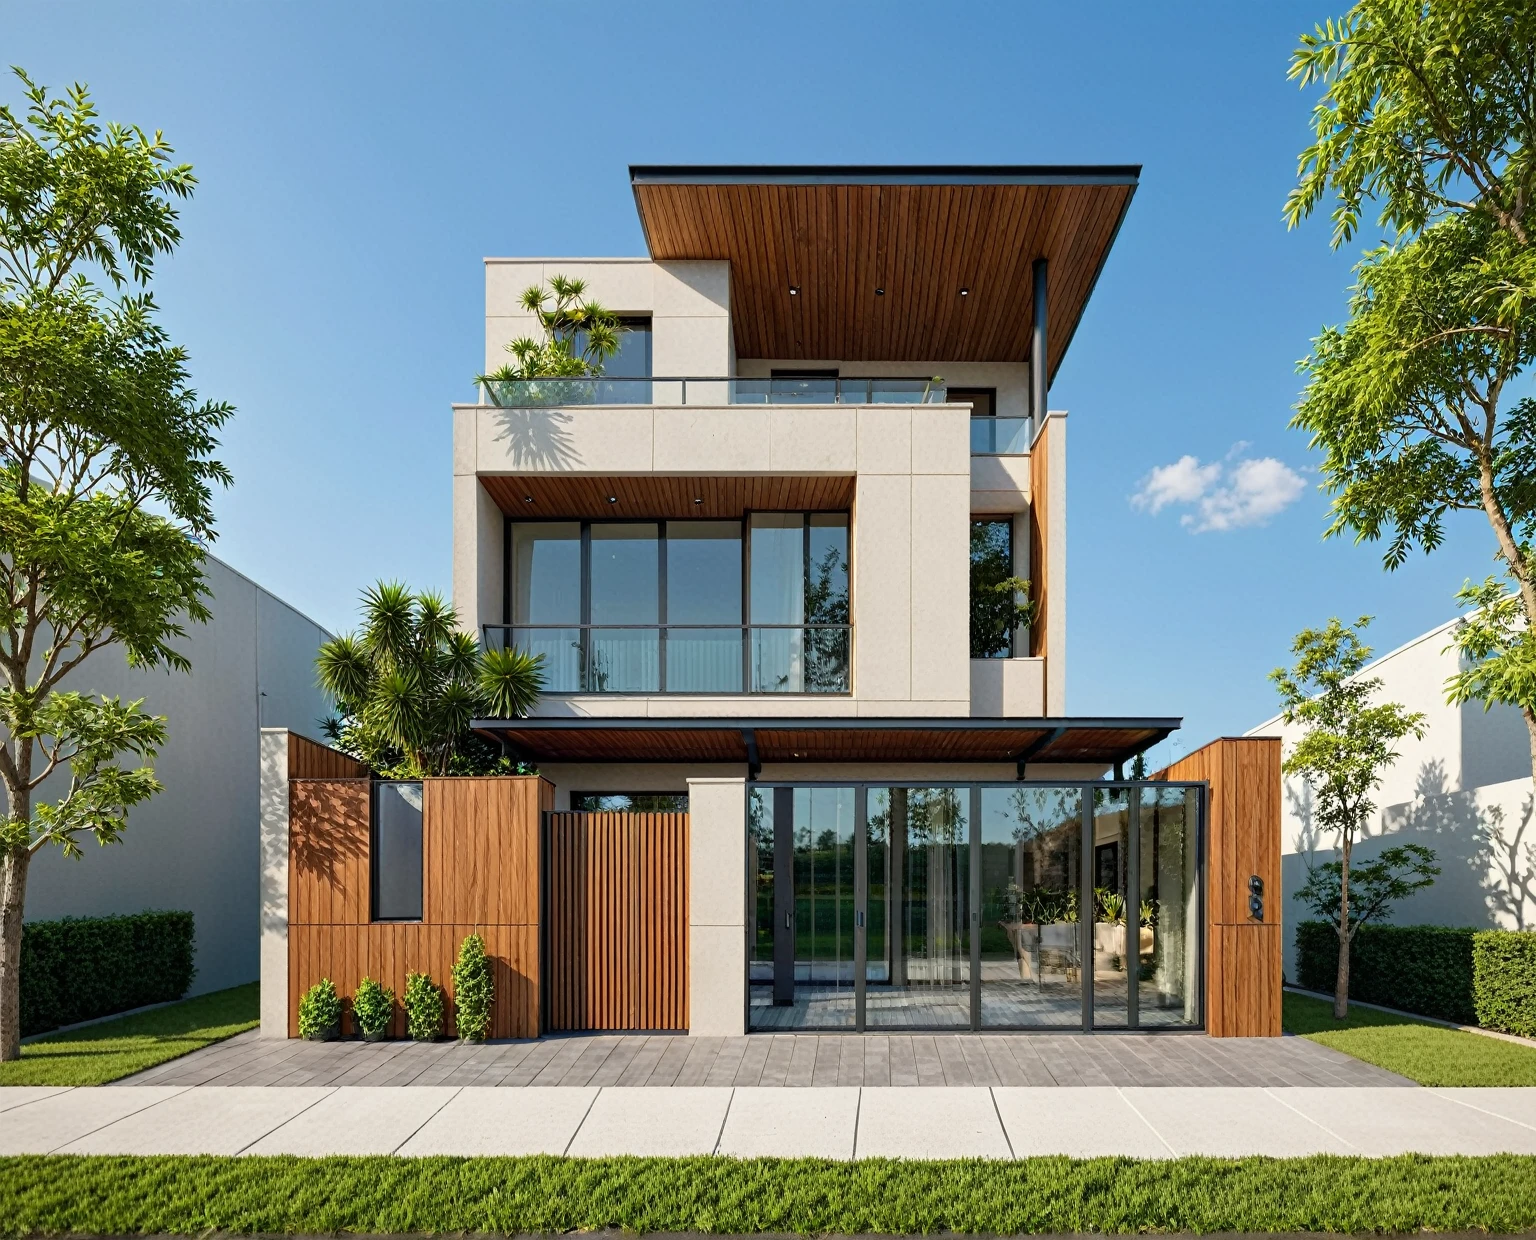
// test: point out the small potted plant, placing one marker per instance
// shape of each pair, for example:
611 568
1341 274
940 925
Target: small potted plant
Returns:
474 990
373 1007
423 1008
320 1013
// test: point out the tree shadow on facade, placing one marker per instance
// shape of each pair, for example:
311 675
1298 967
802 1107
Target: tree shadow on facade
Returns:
536 438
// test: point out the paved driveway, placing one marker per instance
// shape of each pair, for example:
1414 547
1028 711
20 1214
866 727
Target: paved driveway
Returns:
1132 1060
826 1121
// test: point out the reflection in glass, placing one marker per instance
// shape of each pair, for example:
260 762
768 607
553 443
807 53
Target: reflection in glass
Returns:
1168 992
1114 961
397 851
703 660
1031 840
546 568
625 573
629 802
703 588
922 849
824 922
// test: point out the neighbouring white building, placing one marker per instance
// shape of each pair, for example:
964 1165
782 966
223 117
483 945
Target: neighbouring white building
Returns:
196 845
1463 789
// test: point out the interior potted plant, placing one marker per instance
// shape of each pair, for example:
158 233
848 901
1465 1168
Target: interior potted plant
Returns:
373 1007
423 1008
320 1013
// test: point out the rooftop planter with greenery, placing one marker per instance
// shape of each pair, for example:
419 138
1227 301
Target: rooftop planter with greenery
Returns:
579 336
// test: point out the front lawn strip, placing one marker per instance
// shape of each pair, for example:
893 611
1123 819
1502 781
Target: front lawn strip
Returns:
1428 1054
384 1195
113 1049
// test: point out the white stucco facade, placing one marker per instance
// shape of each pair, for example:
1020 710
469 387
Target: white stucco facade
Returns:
1463 789
196 845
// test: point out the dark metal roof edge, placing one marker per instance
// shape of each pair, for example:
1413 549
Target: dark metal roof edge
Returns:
889 723
884 174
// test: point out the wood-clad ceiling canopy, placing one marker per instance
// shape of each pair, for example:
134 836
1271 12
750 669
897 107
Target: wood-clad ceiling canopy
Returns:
586 739
542 497
921 234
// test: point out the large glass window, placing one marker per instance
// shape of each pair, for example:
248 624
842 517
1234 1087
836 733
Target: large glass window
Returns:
993 602
396 849
629 802
638 607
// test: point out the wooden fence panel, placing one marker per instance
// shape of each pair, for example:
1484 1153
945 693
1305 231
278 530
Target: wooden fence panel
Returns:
1243 953
617 925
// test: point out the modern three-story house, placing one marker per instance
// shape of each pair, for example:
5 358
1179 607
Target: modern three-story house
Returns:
802 762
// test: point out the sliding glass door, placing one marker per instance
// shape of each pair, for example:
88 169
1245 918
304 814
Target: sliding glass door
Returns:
996 906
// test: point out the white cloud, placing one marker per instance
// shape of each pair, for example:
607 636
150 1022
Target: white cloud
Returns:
1224 495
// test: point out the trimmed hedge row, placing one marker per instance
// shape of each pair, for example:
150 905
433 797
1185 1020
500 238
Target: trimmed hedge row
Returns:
1504 980
1423 969
79 968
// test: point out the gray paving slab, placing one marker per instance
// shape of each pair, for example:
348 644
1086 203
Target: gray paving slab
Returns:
474 1122
1229 1123
686 1119
218 1120
1095 1122
1512 1103
20 1095
764 1122
47 1124
1379 1122
914 1122
356 1120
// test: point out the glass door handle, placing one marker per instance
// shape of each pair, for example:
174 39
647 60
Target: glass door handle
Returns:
858 920
787 916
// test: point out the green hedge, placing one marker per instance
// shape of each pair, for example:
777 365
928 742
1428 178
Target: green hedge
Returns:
79 968
1504 980
1423 969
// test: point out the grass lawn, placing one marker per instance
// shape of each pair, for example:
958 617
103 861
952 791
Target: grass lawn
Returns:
378 1196
1428 1054
118 1048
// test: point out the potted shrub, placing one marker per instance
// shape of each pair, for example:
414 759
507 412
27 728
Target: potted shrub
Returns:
474 990
320 1013
423 1008
373 1007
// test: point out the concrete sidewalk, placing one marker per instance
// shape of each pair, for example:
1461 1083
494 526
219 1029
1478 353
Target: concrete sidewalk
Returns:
829 1122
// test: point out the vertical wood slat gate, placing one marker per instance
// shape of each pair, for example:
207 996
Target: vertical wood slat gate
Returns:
616 929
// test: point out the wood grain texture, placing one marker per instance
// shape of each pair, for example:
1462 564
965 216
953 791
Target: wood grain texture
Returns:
617 933
921 244
480 874
572 497
1242 833
1039 537
309 759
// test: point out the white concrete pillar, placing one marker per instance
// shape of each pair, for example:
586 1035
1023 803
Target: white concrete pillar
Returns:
274 882
717 907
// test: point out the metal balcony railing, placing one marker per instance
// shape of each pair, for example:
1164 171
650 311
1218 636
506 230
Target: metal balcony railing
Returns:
695 390
684 658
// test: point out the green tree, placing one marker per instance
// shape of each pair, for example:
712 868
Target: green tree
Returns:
579 335
1375 886
1346 745
1000 602
410 681
106 477
1429 111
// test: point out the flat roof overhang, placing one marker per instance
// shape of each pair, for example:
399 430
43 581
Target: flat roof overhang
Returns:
917 234
757 741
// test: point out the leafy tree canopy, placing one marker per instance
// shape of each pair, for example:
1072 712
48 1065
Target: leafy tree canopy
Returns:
1375 886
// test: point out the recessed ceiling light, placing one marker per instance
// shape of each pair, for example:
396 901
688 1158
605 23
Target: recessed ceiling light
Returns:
698 501
879 292
613 499
794 290
527 499
965 292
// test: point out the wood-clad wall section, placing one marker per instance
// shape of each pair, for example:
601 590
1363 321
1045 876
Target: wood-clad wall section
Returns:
1243 953
1039 535
617 941
308 759
480 875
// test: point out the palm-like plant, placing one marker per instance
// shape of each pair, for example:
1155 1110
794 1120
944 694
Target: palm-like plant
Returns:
409 682
579 335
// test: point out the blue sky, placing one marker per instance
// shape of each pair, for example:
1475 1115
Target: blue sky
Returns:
358 162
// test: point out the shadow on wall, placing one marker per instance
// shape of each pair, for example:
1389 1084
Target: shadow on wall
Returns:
1483 838
536 438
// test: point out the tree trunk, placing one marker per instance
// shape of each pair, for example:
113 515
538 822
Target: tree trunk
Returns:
1341 981
13 891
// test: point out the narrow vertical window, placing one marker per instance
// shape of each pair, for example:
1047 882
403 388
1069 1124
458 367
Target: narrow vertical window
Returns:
396 849
993 603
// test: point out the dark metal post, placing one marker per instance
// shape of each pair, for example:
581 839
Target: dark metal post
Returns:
975 903
1085 913
1133 908
783 896
1039 361
896 895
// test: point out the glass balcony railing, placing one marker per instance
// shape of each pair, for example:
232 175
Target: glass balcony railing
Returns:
548 393
1000 436
711 658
